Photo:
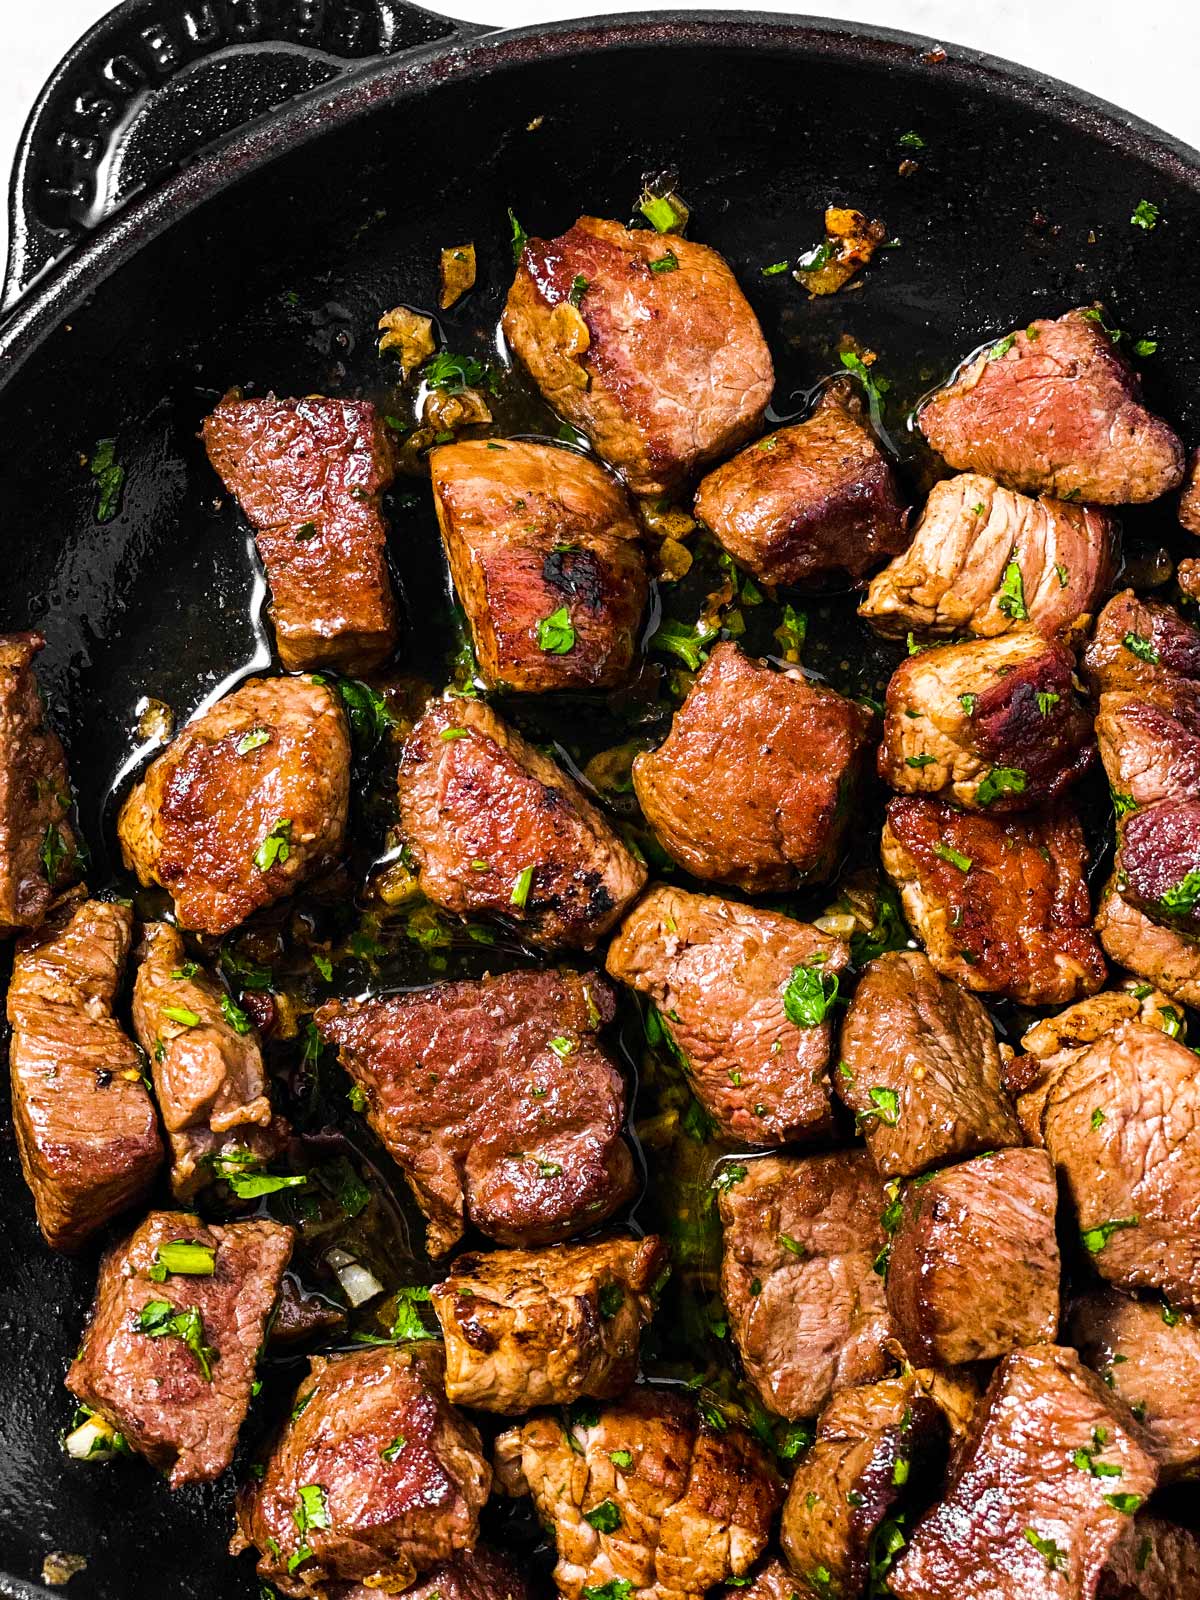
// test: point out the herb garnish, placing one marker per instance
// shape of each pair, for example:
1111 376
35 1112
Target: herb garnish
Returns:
809 995
158 1319
275 847
556 633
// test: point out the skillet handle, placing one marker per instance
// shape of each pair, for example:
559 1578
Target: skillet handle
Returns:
157 81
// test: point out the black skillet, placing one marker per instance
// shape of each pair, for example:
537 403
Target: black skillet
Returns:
219 192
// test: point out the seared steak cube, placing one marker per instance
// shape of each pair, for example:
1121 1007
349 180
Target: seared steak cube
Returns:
798 1275
994 724
375 1478
643 1493
1053 1043
850 1479
1055 409
809 500
982 555
206 1061
1159 1562
496 1099
1159 863
1121 1122
1139 643
85 1125
1000 906
479 1574
1189 500
495 826
804 746
248 801
973 1270
746 997
547 561
1149 1354
527 1328
169 1353
1159 954
920 1067
1041 1495
38 854
645 344
309 475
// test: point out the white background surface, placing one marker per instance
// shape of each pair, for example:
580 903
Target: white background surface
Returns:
1143 57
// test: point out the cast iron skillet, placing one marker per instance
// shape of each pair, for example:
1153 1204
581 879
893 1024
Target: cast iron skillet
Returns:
214 192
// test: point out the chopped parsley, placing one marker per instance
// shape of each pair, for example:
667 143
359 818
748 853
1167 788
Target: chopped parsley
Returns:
579 287
310 1511
110 479
1126 1504
391 1451
728 1176
621 1459
254 740
912 141
1095 1239
610 1300
885 1105
919 761
809 995
1046 701
614 1589
792 1246
1098 1119
158 1319
1145 215
945 852
968 702
454 374
275 847
366 709
1141 648
774 269
556 633
668 262
1061 573
518 235
1002 347
1180 901
1012 593
686 643
52 853
1000 780
234 1015
605 1518
1054 1558
876 387
1145 347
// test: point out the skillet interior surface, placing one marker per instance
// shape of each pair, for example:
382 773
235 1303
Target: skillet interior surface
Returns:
1013 212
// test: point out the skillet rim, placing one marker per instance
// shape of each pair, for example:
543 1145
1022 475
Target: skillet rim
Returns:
363 89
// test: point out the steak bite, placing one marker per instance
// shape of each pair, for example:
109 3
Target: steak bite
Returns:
850 1479
1149 1355
1055 409
663 367
85 1125
805 1304
1121 1122
38 853
810 500
643 1493
745 995
1160 1562
973 1270
527 1328
921 1068
169 1352
1140 643
206 1061
248 801
1159 863
479 1574
753 785
1052 1044
495 826
1040 1496
1189 500
546 559
981 555
375 1479
496 1099
1159 954
1000 906
994 724
309 475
